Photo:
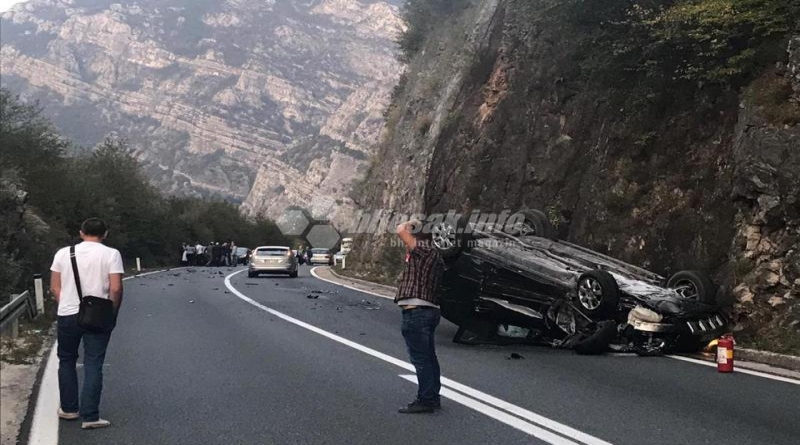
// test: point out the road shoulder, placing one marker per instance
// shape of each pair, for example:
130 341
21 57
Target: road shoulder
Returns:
328 274
17 389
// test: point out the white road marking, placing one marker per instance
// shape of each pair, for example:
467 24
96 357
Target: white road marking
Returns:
44 426
614 354
501 416
314 274
525 414
738 370
490 400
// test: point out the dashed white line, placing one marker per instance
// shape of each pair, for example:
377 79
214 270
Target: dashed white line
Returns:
483 400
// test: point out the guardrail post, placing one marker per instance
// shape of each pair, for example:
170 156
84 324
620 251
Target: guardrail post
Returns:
39 290
138 264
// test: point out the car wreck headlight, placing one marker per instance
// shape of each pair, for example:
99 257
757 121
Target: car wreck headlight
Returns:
642 314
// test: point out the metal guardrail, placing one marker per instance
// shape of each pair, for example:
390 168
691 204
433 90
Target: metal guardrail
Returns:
24 303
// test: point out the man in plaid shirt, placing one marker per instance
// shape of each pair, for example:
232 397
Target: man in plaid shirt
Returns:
417 296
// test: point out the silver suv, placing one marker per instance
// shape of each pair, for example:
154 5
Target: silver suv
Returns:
272 259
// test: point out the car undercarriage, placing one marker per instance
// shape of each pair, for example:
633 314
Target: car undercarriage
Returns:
523 285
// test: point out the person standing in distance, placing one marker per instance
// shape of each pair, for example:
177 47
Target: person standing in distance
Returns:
417 297
100 270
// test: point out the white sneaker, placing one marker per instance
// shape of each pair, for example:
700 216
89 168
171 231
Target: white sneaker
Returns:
99 423
67 416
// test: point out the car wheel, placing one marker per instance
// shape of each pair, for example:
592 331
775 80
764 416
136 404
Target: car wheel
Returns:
293 274
597 294
689 344
593 342
535 223
694 285
251 275
449 237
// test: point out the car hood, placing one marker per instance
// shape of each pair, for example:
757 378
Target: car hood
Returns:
662 300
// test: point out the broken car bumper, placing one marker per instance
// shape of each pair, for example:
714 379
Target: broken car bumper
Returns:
701 327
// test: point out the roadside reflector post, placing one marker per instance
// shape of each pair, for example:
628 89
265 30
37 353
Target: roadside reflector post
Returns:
344 258
138 264
38 290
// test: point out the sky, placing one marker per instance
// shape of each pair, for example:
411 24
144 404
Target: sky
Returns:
5 5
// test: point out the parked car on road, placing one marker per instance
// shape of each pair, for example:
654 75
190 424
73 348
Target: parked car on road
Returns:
272 260
566 295
338 257
242 255
321 256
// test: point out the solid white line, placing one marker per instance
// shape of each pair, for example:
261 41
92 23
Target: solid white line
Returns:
44 427
677 357
526 414
501 416
316 330
314 274
536 418
738 370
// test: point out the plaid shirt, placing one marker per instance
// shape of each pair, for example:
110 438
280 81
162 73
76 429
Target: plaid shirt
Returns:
421 277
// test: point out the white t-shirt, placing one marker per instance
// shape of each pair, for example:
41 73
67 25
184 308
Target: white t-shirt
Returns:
95 263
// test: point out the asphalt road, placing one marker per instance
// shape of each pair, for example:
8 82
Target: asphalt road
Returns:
194 362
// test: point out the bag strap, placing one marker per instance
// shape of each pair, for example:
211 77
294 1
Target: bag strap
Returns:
75 272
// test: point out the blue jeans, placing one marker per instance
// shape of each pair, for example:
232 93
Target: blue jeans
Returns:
94 351
419 327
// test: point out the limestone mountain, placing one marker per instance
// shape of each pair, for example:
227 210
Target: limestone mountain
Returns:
664 133
268 103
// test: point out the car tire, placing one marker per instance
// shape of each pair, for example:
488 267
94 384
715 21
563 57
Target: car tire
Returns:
597 294
597 342
535 223
450 238
251 275
694 285
688 344
293 274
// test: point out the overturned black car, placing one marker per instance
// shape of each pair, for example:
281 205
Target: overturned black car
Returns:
564 295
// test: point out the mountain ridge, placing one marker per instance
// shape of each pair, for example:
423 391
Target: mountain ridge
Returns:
209 94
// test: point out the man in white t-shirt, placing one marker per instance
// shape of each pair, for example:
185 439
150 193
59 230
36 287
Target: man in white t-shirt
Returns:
100 270
200 259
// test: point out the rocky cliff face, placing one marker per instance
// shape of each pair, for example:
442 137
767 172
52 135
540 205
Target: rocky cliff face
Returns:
494 114
217 97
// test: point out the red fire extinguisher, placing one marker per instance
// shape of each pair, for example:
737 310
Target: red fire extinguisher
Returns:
725 353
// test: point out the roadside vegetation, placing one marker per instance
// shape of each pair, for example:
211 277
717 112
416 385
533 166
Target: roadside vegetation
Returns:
48 186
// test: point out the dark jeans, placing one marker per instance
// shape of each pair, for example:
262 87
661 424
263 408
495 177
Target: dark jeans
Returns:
94 351
419 326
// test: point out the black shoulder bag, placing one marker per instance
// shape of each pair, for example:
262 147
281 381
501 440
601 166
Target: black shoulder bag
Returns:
95 313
